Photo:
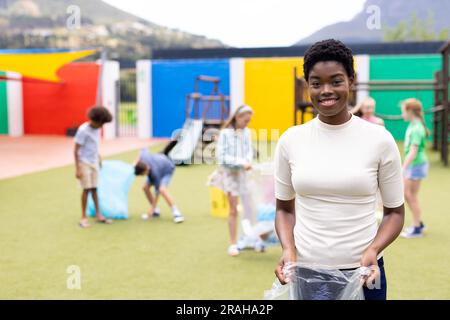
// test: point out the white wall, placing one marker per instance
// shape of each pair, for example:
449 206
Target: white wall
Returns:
110 74
15 104
144 98
237 74
363 74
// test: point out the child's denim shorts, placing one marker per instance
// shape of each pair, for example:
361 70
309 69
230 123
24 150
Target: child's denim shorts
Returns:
417 172
165 180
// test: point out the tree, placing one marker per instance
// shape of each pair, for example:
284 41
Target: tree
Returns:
414 30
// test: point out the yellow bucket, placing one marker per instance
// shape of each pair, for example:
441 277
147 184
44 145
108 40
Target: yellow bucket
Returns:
219 203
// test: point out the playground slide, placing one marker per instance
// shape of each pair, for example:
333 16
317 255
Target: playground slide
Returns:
187 141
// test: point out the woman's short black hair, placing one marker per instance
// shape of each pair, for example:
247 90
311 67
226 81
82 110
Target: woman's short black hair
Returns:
328 50
99 114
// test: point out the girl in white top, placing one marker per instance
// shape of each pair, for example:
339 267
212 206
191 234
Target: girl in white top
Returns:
234 156
327 173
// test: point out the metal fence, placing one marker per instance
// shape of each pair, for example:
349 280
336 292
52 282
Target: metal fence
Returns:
127 107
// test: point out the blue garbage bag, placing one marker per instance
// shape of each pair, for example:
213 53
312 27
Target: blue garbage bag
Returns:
265 212
114 182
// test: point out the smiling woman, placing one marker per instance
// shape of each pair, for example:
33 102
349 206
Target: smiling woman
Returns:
330 76
329 90
326 196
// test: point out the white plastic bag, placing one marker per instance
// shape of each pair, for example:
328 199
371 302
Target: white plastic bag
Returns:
319 283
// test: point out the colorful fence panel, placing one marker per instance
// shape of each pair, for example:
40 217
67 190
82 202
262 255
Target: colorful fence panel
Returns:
52 108
402 67
171 81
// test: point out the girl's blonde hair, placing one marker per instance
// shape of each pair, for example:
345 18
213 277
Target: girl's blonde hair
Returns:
357 109
231 122
414 106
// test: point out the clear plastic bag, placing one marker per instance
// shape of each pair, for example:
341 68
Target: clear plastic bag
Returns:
319 283
279 291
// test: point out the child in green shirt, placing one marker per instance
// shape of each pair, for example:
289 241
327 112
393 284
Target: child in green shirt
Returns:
415 165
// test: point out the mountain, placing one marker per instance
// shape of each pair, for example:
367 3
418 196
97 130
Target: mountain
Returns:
99 11
392 12
53 24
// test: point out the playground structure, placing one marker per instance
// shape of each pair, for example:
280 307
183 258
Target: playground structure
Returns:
204 116
442 100
304 110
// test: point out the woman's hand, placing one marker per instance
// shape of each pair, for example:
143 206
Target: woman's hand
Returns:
369 259
287 256
248 166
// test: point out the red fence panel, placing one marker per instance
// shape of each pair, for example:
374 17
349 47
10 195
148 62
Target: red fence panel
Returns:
52 108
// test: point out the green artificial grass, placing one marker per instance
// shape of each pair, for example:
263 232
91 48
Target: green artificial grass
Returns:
157 259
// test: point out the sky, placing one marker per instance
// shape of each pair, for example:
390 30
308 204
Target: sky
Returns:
245 23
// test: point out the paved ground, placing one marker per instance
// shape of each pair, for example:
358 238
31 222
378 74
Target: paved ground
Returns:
34 153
